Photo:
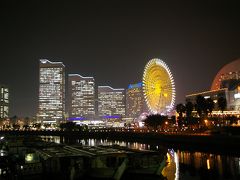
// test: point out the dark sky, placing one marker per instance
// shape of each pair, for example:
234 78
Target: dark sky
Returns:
113 40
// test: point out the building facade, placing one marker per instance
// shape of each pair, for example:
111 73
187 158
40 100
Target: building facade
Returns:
226 84
81 96
4 101
232 98
51 107
230 73
214 95
135 102
111 102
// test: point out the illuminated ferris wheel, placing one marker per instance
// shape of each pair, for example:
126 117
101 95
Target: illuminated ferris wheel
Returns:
158 87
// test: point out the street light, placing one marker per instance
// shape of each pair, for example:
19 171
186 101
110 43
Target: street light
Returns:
206 121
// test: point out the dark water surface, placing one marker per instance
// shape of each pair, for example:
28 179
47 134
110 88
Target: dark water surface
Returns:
182 164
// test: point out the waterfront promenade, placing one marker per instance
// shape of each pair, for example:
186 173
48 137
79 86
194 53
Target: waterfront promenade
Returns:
227 141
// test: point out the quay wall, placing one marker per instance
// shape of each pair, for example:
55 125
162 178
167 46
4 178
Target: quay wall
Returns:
178 140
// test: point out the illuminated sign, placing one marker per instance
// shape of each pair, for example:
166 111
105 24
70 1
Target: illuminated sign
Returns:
109 117
76 118
138 85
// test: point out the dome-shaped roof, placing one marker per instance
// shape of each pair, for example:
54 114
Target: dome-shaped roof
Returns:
231 67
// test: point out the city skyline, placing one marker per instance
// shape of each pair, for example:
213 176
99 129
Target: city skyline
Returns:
112 41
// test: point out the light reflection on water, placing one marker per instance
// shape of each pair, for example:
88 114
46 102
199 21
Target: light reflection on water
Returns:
181 164
171 171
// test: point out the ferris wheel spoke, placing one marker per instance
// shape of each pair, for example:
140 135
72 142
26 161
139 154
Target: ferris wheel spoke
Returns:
150 93
158 86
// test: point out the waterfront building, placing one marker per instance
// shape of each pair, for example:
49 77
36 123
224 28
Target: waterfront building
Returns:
81 97
4 101
228 76
51 107
214 95
226 84
135 102
111 102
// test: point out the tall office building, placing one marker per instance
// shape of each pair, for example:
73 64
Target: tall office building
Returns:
4 101
51 107
111 101
81 96
135 103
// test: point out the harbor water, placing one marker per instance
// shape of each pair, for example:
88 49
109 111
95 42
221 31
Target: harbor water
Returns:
181 164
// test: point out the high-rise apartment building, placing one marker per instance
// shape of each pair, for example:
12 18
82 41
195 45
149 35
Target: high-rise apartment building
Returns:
135 103
111 101
81 96
51 107
4 101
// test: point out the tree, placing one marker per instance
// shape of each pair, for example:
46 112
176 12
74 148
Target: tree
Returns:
16 126
26 126
37 125
222 103
172 120
180 108
68 126
27 120
189 108
200 105
14 119
155 120
210 105
233 119
194 121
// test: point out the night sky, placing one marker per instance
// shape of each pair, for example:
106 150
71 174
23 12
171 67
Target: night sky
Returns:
113 41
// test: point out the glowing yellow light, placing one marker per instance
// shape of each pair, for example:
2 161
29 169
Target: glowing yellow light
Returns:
208 164
168 158
29 157
158 86
205 92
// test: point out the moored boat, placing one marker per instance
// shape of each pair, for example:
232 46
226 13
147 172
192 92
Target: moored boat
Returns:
105 163
143 162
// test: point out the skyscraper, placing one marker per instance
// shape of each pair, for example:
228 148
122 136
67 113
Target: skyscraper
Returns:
135 103
51 107
111 101
4 101
81 96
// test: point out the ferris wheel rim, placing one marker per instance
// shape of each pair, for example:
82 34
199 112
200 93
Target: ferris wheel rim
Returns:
159 63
